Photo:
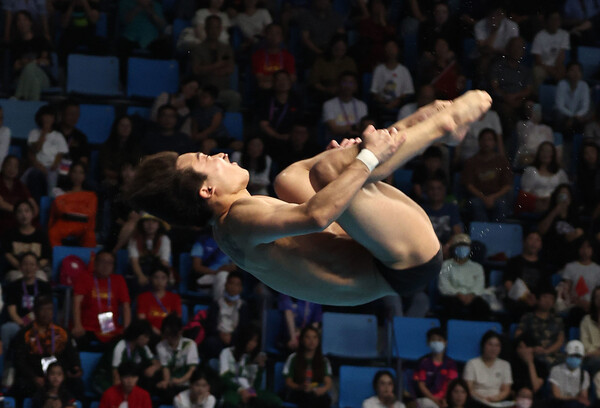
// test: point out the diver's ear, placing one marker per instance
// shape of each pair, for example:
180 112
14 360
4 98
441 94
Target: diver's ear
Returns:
206 192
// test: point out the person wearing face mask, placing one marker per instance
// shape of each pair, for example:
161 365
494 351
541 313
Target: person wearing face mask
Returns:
226 316
570 383
524 398
434 372
461 283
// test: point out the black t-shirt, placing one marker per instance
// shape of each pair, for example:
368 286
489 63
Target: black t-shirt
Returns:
23 300
532 273
281 116
31 49
520 374
65 397
17 243
156 142
78 145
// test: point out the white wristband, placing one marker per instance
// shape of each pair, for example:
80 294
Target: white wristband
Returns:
368 158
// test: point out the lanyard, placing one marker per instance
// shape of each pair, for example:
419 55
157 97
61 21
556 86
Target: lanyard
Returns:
164 309
39 345
344 111
267 60
281 114
108 292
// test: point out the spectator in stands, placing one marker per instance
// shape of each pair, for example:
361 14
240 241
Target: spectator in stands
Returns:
544 328
23 239
155 305
75 181
327 68
430 166
198 394
210 265
258 163
278 113
46 148
241 368
560 227
98 298
123 218
373 32
342 114
30 59
54 393
580 17
511 83
166 137
298 315
549 49
78 20
572 101
590 334
587 178
527 371
132 348
79 149
392 84
126 392
569 382
489 378
580 277
531 133
458 395
252 22
20 296
425 95
149 245
439 67
226 317
301 145
12 191
385 396
272 58
119 148
541 179
318 26
213 63
5 136
208 131
470 145
444 216
435 371
142 23
184 101
592 129
528 269
488 179
441 24
37 12
178 357
40 343
461 283
200 20
307 373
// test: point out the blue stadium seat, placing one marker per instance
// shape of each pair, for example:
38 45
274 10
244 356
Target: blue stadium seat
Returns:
185 268
89 361
464 337
45 203
410 337
496 277
93 75
27 403
147 78
199 307
9 402
15 151
179 25
96 122
403 180
141 111
350 335
94 404
102 25
273 321
234 123
122 263
498 237
279 382
60 252
356 384
512 330
556 278
589 58
19 116
574 333
547 94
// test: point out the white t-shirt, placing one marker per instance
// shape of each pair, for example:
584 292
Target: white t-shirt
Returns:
254 24
164 252
121 348
185 355
200 18
407 110
548 46
344 113
487 380
374 402
507 30
541 186
182 400
470 144
458 278
530 136
55 144
574 271
392 83
569 382
5 135
245 372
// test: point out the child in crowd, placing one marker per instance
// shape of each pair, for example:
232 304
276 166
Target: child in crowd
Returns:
156 304
54 394
383 385
126 393
198 395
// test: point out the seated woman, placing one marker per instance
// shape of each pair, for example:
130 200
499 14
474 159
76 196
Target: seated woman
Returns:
184 101
540 179
198 395
308 375
489 378
458 395
258 163
120 148
383 385
531 133
12 191
54 394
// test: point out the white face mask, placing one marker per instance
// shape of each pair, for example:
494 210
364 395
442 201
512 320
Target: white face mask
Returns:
523 402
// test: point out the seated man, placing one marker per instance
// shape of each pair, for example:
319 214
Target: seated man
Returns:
294 248
343 113
549 49
272 58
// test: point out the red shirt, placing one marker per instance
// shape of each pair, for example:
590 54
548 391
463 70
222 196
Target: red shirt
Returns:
152 310
113 397
267 64
119 294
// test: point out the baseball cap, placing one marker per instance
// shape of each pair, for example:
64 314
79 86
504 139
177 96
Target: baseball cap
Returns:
460 239
575 347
